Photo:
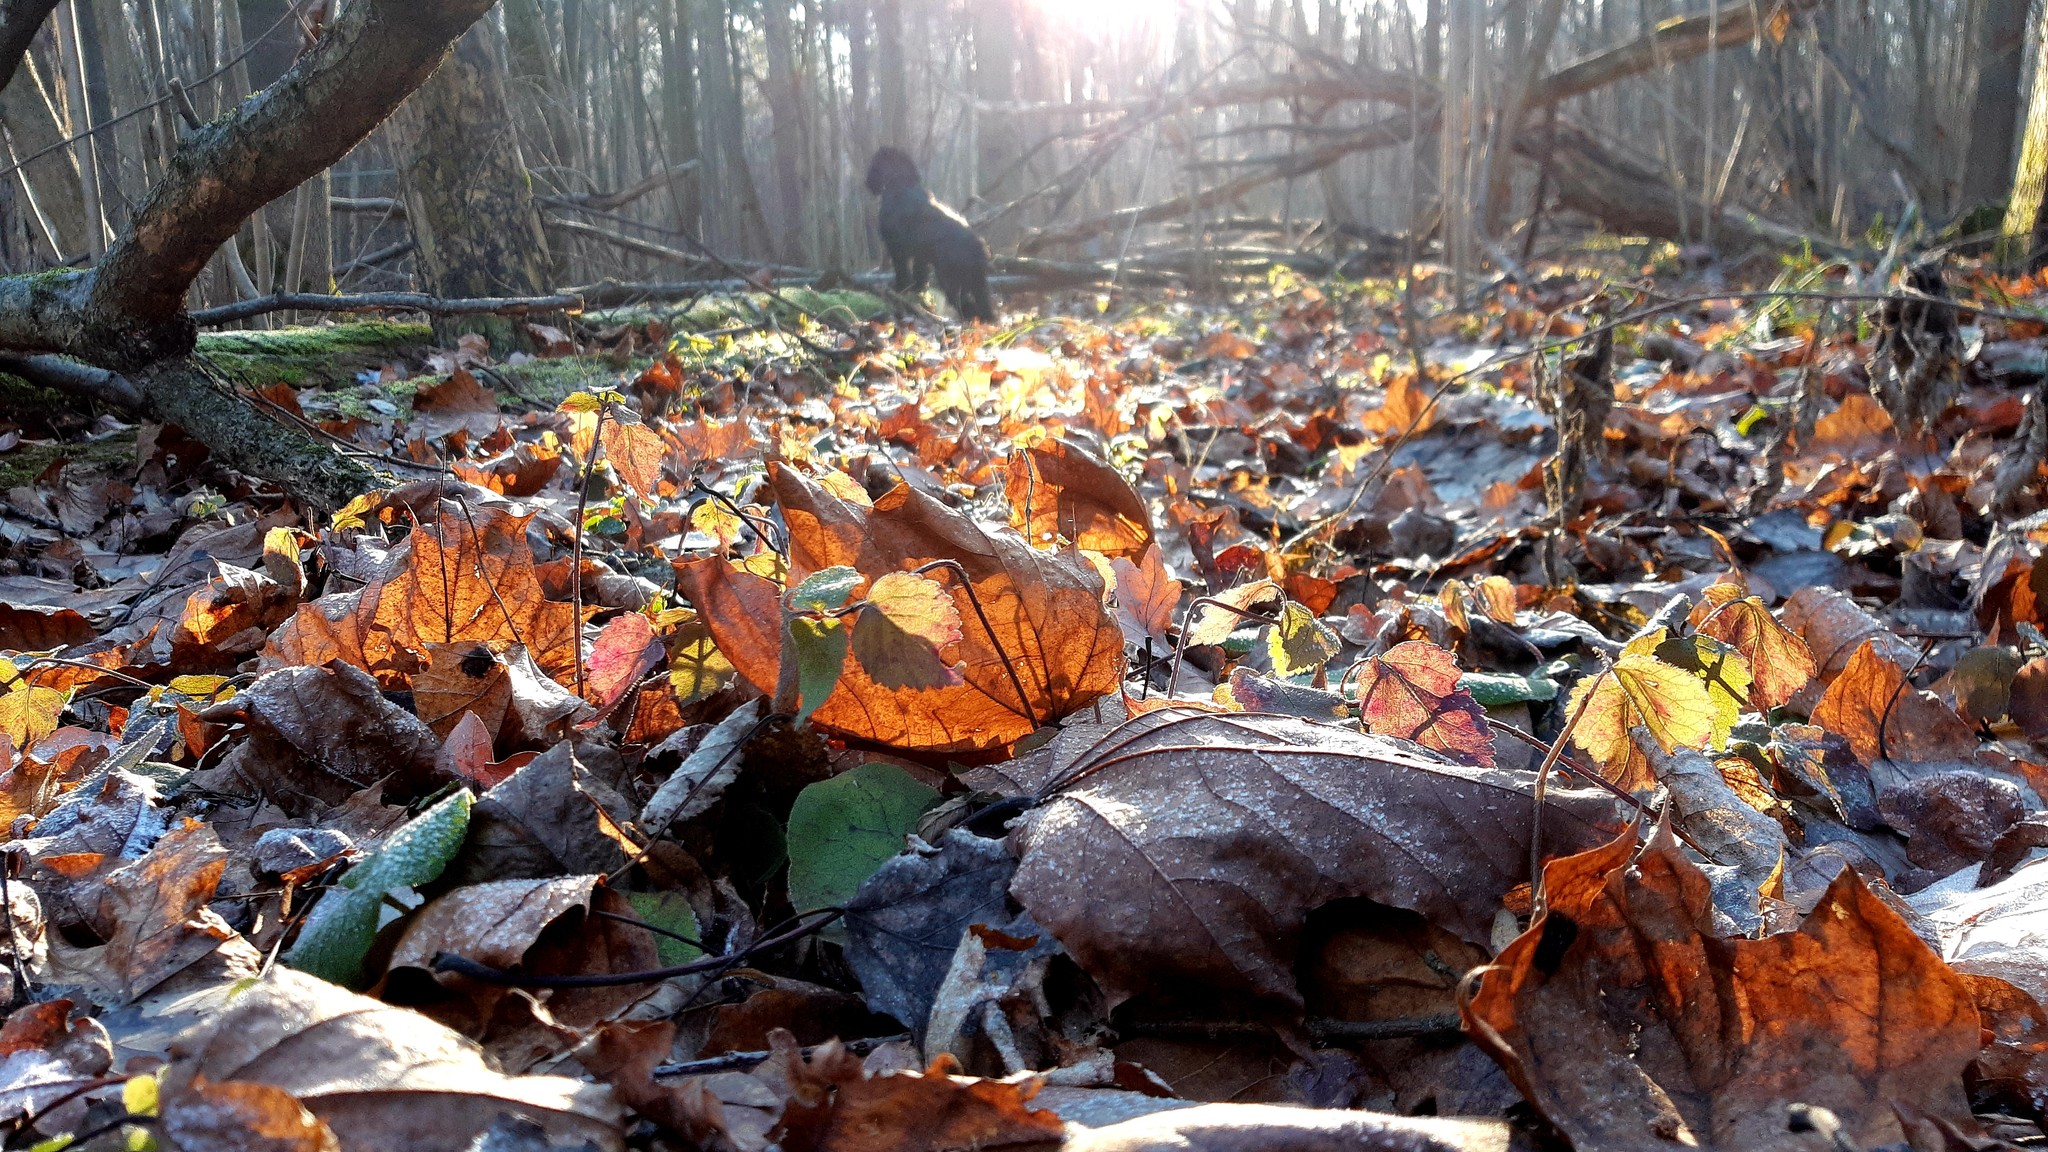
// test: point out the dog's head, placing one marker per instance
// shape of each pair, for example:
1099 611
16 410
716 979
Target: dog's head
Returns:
890 170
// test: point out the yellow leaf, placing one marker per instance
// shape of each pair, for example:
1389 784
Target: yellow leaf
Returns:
918 605
717 521
354 514
1300 642
1640 690
28 713
1497 595
698 668
208 689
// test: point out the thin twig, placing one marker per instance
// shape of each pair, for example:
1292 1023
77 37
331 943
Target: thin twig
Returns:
505 978
973 600
740 1061
1543 786
386 302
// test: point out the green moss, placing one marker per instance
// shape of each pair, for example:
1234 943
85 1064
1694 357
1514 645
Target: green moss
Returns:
328 354
547 382
846 305
27 462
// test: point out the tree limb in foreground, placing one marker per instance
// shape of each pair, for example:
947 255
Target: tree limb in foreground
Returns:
127 314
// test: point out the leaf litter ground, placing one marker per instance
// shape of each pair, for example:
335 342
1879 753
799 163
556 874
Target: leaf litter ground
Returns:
1097 732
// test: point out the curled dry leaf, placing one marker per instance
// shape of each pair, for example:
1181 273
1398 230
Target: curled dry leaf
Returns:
1045 609
1626 1021
545 927
1184 860
162 924
1146 598
1061 491
1411 692
380 1077
1834 626
499 685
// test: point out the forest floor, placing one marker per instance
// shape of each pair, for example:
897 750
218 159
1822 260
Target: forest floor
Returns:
773 724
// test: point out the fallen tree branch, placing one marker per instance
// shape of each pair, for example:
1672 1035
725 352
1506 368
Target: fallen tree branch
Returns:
385 302
372 259
79 379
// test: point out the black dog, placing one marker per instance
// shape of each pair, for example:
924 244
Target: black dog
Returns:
924 236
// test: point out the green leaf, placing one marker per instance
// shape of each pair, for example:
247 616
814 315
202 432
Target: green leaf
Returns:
824 591
341 929
1300 642
1496 689
842 829
819 647
672 911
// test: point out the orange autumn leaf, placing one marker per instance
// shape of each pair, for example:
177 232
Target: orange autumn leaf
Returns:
1622 1011
1059 491
1411 692
1051 632
1779 662
1497 595
1886 720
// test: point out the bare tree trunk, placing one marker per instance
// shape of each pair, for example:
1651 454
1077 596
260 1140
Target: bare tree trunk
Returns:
2023 230
1995 111
892 92
467 195
1507 122
679 110
52 180
789 132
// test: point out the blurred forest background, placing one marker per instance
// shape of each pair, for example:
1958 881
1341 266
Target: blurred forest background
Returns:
660 143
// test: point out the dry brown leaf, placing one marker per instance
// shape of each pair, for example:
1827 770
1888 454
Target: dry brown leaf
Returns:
1628 1023
324 734
1834 626
158 904
467 576
1046 611
381 1077
241 1117
1185 860
519 706
1917 726
537 926
1061 491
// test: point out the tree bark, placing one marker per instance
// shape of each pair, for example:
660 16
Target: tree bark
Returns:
1995 110
467 194
20 20
53 177
128 314
1507 121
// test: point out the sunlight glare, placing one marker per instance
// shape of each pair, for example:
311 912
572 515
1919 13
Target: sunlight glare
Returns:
1095 18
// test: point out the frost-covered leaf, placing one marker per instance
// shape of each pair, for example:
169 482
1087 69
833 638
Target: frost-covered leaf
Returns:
29 713
1213 625
827 590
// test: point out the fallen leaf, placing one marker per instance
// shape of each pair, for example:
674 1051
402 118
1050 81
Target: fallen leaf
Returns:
541 927
908 621
1411 692
1916 726
241 1117
1060 491
626 650
162 924
1778 659
1278 1128
1300 643
1626 1021
842 829
499 685
1185 858
325 734
1639 690
378 1076
1050 630
344 924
